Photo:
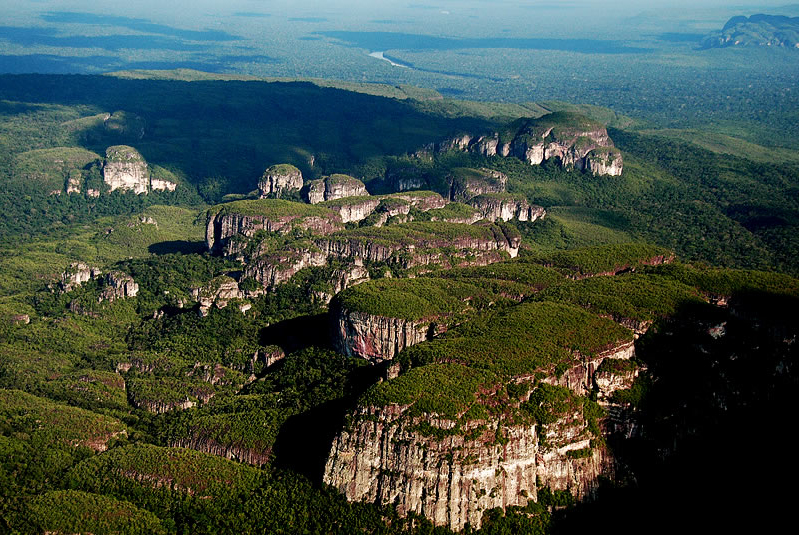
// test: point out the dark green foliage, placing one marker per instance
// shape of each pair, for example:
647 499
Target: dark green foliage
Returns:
78 512
629 296
524 339
603 259
413 299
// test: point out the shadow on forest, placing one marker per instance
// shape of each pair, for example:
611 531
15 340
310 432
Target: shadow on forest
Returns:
304 441
177 246
715 450
229 131
298 333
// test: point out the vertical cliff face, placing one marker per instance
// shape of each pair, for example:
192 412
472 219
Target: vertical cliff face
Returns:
334 187
506 207
119 286
375 338
229 227
478 421
452 471
126 169
279 179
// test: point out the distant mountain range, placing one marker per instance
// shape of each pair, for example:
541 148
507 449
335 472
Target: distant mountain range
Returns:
757 30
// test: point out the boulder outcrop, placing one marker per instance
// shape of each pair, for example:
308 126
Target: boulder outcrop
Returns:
279 179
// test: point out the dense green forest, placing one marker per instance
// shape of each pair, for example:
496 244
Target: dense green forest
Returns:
161 414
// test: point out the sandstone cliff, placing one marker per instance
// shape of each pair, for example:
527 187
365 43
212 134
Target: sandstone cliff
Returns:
453 469
230 226
481 421
466 184
334 187
126 169
279 179
118 285
506 207
569 138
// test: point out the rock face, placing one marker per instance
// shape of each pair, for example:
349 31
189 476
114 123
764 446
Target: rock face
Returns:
77 274
126 169
506 207
375 338
162 185
572 139
279 179
386 457
217 292
118 285
452 469
469 183
228 229
334 187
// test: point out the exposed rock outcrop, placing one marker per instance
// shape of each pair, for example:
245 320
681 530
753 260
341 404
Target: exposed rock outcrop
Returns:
118 285
126 169
217 292
569 138
468 183
375 338
77 274
452 472
229 227
162 185
279 179
201 442
334 187
506 207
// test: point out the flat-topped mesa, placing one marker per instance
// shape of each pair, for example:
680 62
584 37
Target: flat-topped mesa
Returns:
434 440
336 186
570 138
379 319
421 245
467 183
278 180
506 206
432 244
126 169
229 226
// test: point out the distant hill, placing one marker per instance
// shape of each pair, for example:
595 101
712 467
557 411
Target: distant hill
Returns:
757 30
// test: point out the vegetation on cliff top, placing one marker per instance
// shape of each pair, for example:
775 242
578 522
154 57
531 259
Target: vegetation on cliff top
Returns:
271 209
